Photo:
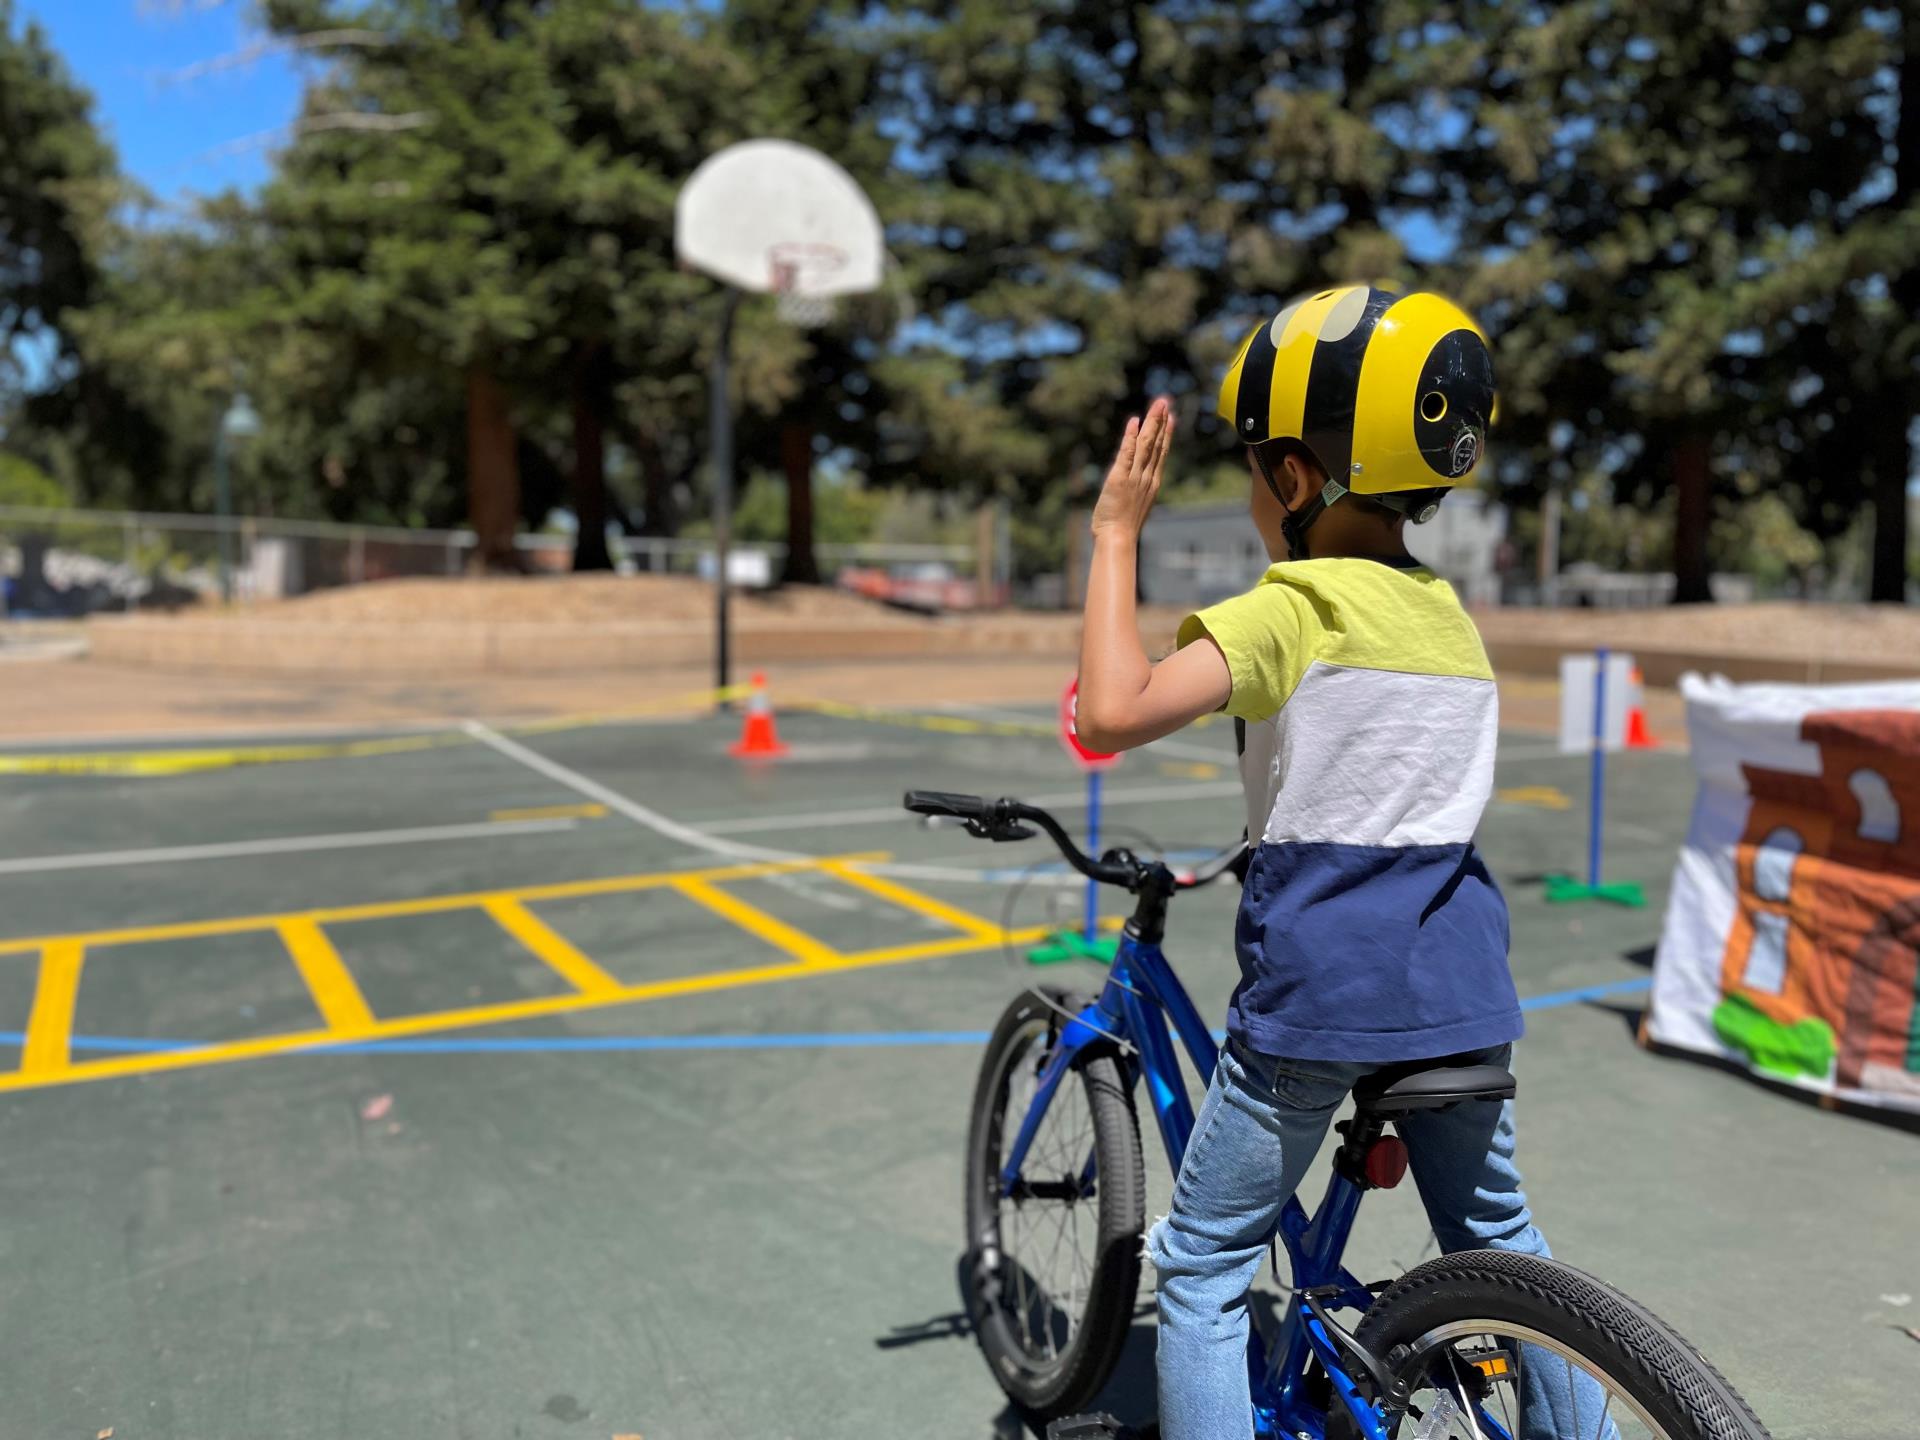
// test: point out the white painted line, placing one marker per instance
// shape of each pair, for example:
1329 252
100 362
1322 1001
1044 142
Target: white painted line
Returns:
882 814
820 891
818 820
614 800
289 845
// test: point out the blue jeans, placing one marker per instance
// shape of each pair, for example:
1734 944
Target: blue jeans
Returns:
1260 1125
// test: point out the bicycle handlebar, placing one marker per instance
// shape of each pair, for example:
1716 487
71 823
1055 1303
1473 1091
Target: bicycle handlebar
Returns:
1008 819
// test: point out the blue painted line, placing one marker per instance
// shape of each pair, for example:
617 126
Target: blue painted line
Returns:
587 1044
125 1044
1590 992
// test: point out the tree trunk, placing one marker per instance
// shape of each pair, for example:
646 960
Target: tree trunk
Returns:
796 458
1356 66
493 475
1692 484
658 515
590 459
1891 466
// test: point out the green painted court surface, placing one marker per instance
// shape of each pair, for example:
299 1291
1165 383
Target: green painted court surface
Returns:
649 1132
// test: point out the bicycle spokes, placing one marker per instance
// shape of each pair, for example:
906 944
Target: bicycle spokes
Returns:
1508 1383
1048 1221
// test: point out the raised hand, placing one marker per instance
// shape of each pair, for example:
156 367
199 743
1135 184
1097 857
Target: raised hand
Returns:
1134 479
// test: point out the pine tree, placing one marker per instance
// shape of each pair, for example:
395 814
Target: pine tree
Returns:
508 227
1097 200
1665 217
59 184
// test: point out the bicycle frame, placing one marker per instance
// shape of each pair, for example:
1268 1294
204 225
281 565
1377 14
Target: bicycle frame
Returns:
1141 997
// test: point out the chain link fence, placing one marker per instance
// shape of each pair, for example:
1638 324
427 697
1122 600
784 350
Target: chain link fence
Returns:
65 563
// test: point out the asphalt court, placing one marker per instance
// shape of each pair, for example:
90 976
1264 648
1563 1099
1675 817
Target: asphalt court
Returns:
578 1080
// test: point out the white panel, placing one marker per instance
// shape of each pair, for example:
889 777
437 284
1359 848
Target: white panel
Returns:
1576 702
1373 757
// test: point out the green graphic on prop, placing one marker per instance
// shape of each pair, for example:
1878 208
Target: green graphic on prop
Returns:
1806 1047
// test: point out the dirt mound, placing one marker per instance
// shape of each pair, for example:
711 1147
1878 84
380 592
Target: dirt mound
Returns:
1887 634
567 600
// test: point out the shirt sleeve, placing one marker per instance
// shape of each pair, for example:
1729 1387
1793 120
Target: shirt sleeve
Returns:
1263 638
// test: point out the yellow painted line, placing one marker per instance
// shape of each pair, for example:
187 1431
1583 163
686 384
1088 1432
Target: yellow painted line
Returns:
432 904
335 994
151 1062
913 900
758 922
1545 797
50 1025
551 946
183 762
1189 770
551 812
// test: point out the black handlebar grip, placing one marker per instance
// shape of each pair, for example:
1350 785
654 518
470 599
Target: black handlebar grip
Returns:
939 802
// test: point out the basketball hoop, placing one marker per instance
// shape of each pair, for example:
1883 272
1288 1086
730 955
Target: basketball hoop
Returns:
800 274
769 216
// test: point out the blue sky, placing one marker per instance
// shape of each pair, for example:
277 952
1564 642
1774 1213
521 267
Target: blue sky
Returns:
175 133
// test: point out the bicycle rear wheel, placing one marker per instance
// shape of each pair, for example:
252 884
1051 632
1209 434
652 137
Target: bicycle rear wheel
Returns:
1052 1275
1544 1351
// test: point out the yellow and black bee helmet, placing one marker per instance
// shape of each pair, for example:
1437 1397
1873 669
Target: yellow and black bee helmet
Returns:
1391 394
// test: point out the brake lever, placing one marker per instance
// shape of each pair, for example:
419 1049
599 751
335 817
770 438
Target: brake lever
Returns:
1000 831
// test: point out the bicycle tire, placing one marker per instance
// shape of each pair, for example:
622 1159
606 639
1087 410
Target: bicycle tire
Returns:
1639 1354
1048 1388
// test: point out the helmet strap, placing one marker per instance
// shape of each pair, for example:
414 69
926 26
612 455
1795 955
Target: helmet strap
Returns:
1297 523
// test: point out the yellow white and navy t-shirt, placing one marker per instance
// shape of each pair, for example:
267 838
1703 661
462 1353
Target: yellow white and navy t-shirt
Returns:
1369 928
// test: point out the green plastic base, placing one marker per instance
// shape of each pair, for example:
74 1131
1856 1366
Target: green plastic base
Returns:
1562 889
1065 945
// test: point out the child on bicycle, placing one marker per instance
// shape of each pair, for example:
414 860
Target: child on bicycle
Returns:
1370 933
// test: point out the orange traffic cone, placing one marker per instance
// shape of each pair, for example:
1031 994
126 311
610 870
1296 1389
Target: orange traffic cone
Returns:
758 739
1638 736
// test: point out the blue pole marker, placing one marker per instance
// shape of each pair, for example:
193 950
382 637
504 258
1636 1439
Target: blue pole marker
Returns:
1093 849
1562 888
1596 803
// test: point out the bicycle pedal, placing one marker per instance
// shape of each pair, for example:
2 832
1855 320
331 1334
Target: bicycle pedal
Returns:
1089 1427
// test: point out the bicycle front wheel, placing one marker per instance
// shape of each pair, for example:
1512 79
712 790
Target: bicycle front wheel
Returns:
1052 1269
1545 1352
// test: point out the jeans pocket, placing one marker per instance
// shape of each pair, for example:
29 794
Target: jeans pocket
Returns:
1303 1085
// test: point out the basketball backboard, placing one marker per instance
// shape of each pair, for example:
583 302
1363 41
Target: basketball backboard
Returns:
770 216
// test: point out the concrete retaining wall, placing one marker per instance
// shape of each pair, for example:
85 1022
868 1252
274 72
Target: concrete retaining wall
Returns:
239 645
243 646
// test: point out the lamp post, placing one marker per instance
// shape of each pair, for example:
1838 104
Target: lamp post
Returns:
241 422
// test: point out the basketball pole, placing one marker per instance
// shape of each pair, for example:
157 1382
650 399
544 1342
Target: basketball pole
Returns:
720 441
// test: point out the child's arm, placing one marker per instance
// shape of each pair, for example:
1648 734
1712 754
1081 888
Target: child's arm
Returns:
1125 699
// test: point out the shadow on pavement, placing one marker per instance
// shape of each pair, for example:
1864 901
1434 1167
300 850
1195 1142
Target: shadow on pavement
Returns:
1131 1396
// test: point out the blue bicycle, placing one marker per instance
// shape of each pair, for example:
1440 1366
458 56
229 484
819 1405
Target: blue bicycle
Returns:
1481 1345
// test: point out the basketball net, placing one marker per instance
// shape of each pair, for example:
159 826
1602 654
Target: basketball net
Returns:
798 269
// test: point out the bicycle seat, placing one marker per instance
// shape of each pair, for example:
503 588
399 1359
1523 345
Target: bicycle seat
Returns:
1398 1090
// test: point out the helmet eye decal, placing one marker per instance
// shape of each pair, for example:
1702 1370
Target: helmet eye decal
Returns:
1279 326
1455 400
1345 315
